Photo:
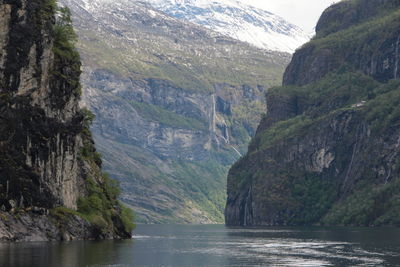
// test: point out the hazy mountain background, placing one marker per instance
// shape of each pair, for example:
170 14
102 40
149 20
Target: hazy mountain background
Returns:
176 104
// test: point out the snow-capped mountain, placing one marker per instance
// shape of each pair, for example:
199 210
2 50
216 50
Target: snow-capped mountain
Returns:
237 20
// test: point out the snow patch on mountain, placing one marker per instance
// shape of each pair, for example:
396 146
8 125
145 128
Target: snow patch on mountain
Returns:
240 21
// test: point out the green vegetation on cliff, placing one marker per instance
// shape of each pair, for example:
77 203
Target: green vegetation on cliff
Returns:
168 118
327 152
47 156
314 196
101 206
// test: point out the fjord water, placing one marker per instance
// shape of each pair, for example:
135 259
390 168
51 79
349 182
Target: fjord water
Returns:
217 245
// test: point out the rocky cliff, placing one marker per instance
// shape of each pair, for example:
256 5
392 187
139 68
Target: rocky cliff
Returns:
327 151
49 169
176 104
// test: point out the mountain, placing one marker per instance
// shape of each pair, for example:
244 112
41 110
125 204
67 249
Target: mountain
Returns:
51 185
327 152
175 105
239 21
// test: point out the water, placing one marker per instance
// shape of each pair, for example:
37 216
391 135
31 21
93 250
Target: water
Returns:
216 245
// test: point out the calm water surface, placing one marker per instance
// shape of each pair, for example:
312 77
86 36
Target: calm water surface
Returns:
216 245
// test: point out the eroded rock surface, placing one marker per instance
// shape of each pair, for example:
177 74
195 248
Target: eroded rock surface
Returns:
42 130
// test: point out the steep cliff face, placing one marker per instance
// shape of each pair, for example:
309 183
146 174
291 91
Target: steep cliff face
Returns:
374 52
327 152
176 104
43 131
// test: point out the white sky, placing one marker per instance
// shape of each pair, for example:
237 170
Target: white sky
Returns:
303 13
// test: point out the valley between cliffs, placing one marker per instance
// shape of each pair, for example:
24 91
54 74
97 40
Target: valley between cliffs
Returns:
175 104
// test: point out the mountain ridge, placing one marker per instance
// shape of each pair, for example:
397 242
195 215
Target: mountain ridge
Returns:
239 21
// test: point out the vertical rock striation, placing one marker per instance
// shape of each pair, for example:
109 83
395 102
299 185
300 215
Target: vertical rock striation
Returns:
42 128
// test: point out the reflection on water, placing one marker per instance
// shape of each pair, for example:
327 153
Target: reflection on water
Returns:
215 245
61 255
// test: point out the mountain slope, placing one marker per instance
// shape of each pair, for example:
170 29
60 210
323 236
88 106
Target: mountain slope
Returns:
237 20
175 103
327 151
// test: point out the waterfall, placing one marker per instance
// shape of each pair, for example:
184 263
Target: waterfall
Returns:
245 214
213 127
213 119
246 205
391 158
237 151
396 64
227 134
351 164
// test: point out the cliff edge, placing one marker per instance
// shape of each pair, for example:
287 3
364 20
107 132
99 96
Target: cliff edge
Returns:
327 151
51 185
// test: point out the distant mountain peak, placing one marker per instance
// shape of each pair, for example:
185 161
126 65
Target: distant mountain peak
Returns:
238 20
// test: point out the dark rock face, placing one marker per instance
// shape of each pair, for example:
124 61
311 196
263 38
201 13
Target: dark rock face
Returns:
37 227
223 106
343 15
373 53
327 150
268 198
41 129
279 108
